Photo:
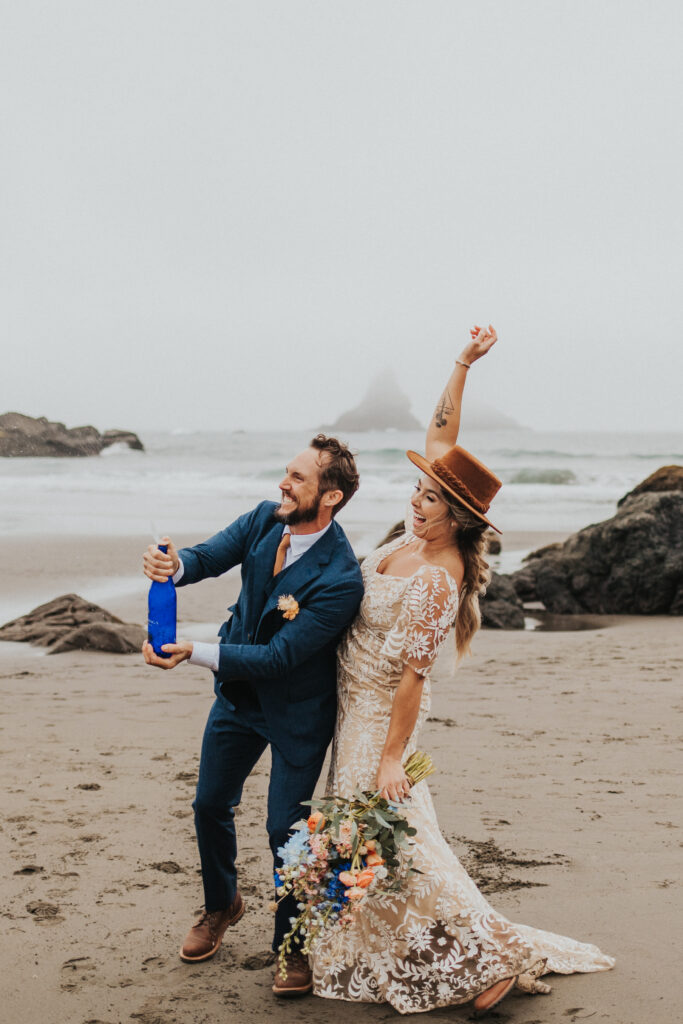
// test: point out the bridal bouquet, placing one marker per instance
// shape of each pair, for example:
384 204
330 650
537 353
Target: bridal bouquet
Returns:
344 851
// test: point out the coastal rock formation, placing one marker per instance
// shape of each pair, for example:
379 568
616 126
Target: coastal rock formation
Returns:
631 564
666 478
384 407
110 437
117 637
69 623
500 606
493 543
23 436
482 416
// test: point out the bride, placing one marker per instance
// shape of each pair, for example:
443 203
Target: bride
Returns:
437 942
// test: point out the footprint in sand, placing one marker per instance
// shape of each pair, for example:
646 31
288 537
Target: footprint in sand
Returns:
44 913
30 869
88 785
152 1017
169 867
76 971
257 961
152 961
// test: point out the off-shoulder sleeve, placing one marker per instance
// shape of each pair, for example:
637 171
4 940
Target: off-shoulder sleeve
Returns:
427 614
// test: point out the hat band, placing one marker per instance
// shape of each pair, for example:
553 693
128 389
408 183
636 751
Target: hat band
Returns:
458 485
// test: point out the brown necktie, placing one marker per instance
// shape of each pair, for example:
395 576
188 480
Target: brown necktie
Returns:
281 552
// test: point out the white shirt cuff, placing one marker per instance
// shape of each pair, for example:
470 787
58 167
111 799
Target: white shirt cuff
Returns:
178 575
205 655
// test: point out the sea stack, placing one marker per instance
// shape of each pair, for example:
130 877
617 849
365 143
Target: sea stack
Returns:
384 407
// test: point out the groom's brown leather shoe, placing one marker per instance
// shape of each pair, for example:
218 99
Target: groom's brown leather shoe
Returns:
299 978
204 938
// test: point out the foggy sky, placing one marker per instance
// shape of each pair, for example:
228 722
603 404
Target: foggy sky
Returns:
232 215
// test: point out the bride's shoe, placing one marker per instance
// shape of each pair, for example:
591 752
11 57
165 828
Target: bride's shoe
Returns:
486 1000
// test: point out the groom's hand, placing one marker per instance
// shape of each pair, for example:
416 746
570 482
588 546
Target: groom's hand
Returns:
159 566
179 652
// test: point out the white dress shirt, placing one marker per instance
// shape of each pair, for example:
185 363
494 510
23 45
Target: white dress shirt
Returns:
205 654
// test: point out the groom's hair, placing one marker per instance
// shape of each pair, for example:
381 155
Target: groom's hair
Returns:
337 470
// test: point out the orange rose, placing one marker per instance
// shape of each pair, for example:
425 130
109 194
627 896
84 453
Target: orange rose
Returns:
371 844
364 878
373 860
314 819
347 877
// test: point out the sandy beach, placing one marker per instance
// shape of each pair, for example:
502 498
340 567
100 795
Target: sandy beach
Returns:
556 752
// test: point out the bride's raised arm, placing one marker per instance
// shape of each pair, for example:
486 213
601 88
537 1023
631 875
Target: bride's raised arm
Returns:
444 425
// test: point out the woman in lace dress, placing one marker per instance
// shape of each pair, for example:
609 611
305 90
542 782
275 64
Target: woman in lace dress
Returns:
437 942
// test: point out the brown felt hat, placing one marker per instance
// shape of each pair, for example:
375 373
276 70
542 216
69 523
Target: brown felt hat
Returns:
463 476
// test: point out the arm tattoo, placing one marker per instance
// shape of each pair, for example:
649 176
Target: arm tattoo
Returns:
443 409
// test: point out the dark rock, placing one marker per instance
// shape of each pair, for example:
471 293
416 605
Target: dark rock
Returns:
110 437
631 564
545 550
500 606
69 623
23 437
116 637
666 478
493 544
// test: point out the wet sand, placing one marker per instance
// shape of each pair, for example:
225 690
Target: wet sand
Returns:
557 756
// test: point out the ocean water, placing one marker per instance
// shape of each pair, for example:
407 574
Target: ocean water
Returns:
195 483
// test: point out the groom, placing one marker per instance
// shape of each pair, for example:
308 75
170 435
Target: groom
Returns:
275 673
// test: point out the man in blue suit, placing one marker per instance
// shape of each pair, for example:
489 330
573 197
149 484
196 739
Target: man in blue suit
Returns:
274 669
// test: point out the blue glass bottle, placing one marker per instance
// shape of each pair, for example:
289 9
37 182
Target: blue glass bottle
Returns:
161 613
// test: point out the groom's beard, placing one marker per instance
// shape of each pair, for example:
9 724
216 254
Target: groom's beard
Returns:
299 514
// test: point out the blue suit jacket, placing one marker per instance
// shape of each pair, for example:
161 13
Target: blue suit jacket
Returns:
291 665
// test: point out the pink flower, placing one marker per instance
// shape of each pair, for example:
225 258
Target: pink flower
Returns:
355 892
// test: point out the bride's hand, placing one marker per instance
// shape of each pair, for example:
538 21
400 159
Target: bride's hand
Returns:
392 781
483 338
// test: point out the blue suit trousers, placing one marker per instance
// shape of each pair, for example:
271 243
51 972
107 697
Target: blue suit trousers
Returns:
234 740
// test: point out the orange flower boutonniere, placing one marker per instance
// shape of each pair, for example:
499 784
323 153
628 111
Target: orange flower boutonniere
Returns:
289 606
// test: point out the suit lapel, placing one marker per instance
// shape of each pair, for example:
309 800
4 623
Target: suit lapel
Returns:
303 572
263 560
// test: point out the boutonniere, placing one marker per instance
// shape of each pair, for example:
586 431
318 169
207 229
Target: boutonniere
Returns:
289 606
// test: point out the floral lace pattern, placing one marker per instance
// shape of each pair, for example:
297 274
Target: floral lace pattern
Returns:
437 942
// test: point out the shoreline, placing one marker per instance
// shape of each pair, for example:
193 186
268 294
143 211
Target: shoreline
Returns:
104 570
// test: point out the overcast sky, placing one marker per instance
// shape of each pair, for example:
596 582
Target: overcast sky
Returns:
224 215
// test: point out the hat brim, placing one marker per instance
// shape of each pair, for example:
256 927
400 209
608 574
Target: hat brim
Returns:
426 467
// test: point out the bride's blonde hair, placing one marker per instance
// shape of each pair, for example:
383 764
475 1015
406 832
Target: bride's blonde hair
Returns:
470 540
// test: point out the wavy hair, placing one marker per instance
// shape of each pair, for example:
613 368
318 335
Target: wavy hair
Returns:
470 540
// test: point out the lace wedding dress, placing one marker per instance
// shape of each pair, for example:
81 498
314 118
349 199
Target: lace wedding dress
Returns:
437 942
